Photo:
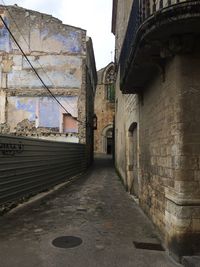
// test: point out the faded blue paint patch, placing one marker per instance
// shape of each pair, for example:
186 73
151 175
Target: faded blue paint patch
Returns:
48 113
75 42
44 33
47 110
27 78
5 42
27 105
72 42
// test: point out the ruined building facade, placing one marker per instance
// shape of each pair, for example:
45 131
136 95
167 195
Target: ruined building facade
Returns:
158 114
63 57
104 110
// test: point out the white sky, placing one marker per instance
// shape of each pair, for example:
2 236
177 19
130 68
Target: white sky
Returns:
91 15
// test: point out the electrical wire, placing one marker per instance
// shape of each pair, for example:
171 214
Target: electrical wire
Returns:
34 70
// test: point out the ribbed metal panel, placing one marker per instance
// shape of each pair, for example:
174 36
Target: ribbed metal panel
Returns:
30 165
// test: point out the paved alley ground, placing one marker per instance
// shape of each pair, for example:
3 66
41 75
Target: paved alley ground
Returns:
95 208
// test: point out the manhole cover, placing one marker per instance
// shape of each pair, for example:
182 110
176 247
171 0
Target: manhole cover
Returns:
67 241
149 246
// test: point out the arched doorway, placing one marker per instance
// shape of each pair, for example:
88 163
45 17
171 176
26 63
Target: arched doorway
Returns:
133 165
107 142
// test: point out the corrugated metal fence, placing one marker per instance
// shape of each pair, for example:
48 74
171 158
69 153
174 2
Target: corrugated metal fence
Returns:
30 165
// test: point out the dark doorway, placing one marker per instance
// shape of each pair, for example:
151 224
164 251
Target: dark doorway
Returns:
109 145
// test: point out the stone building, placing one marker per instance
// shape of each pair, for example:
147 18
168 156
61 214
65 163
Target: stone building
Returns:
104 110
158 114
63 57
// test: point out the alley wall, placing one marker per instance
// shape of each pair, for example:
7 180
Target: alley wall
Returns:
157 139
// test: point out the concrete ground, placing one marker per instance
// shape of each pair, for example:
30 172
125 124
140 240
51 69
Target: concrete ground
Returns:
95 208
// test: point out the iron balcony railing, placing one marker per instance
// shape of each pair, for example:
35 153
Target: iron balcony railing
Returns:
149 7
133 25
140 12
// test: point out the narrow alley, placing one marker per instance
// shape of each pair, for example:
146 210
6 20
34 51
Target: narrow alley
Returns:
96 209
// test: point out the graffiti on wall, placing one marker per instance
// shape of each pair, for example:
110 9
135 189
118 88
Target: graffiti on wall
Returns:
11 149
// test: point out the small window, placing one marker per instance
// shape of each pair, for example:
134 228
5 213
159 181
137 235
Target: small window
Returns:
109 84
110 92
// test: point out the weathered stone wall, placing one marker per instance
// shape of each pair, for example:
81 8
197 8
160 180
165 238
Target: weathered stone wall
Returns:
169 154
125 105
182 213
126 115
159 142
57 52
166 118
104 111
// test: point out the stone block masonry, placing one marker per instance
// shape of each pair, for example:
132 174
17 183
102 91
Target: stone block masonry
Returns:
158 124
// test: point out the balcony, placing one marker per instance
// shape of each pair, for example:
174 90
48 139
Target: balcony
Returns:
157 30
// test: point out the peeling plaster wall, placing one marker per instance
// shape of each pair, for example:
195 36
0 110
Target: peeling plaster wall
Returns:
43 111
58 54
42 33
57 71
